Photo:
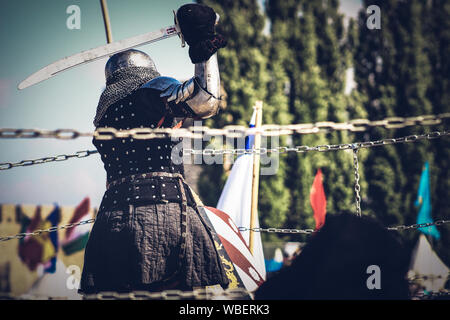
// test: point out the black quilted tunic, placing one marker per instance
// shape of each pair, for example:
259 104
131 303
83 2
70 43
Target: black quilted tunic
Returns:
136 242
124 157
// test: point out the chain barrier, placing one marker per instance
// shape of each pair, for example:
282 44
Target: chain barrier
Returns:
277 230
269 230
358 125
62 157
260 151
62 134
310 231
322 148
231 131
418 225
196 294
41 231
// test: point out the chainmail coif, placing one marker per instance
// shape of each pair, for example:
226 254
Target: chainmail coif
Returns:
122 83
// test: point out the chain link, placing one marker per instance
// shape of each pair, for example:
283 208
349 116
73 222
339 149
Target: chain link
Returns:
52 229
277 230
63 134
418 225
321 148
196 294
260 151
62 157
231 131
269 230
357 186
310 231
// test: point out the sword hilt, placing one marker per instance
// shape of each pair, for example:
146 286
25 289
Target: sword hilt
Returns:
177 26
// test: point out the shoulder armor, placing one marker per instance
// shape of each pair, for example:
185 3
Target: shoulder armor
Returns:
161 83
171 88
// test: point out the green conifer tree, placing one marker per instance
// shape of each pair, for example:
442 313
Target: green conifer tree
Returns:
317 57
400 68
247 77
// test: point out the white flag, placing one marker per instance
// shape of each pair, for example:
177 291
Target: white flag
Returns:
235 201
427 265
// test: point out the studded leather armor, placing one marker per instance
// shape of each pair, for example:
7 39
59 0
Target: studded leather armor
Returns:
128 156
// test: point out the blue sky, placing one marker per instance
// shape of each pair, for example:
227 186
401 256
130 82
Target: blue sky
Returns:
34 34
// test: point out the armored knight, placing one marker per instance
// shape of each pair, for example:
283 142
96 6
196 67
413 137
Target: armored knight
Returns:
149 234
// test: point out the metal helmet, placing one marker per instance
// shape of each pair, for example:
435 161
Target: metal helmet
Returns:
125 72
128 59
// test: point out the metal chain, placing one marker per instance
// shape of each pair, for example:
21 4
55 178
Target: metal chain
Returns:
357 125
357 186
202 294
196 294
418 225
63 134
269 230
322 148
62 157
260 151
310 231
52 229
231 131
277 230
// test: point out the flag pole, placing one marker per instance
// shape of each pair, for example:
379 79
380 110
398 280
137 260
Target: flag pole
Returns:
255 176
106 21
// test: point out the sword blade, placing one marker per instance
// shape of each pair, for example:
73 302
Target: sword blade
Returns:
96 53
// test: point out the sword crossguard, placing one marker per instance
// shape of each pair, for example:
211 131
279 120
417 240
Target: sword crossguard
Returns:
177 26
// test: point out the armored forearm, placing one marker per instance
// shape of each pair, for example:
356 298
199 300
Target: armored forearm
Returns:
200 93
205 100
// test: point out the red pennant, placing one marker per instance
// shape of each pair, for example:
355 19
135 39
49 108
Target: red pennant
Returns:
30 249
318 200
80 211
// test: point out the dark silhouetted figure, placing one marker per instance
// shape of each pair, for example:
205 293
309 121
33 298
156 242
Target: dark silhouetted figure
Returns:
334 264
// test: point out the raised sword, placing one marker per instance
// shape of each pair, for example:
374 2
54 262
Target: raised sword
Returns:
98 53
